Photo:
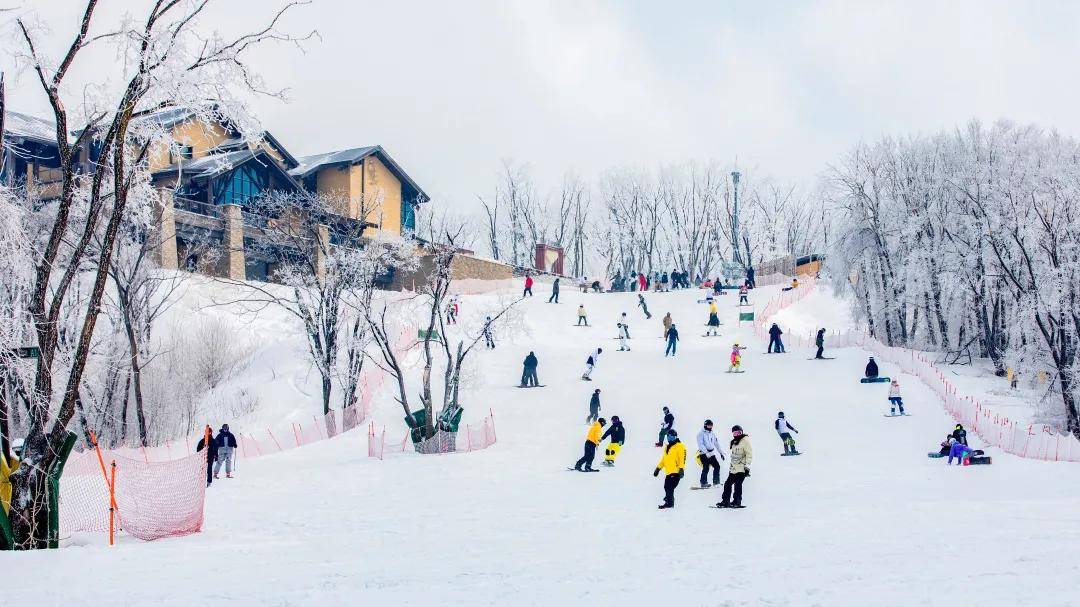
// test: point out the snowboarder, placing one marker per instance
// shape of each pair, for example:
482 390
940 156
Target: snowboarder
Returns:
554 292
591 363
958 450
528 374
594 407
665 426
960 434
738 468
528 285
708 448
626 325
871 369
819 341
774 339
736 358
207 442
667 324
714 320
624 334
644 308
673 463
592 439
617 434
750 277
488 339
581 318
672 339
633 281
784 429
226 446
744 292
894 398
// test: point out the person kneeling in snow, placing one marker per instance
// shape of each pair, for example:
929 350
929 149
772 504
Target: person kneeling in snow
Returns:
959 450
673 463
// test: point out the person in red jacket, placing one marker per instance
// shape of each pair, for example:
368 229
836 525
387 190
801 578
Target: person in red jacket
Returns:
528 285
642 285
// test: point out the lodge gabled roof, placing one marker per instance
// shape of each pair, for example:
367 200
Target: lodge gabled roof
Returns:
310 164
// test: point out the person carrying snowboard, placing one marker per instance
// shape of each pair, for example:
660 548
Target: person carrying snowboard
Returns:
672 339
581 318
740 456
617 435
624 334
667 324
784 429
592 439
774 339
673 463
820 342
871 369
554 292
644 308
744 293
489 341
895 400
594 407
708 449
528 286
714 320
528 373
665 426
736 359
590 364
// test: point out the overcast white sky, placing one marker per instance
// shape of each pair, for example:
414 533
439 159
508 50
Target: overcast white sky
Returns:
450 88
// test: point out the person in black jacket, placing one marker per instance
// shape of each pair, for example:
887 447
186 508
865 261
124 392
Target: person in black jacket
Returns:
665 427
554 292
207 442
820 341
774 339
672 338
617 434
226 443
871 368
960 434
528 374
594 407
750 277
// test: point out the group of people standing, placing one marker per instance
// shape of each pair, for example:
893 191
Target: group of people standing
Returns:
220 450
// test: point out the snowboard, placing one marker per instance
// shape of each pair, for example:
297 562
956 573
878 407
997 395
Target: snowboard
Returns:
790 454
736 371
699 488
874 380
715 335
725 507
897 415
822 358
538 386
979 460
576 470
585 379
935 455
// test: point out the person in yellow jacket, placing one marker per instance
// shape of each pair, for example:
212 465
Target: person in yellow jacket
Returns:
6 470
714 320
739 455
673 463
592 439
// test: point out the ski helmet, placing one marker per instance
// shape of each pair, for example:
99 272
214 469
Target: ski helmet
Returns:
708 422
665 410
614 419
736 428
780 414
602 421
672 434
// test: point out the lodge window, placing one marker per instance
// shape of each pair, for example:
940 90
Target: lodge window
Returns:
240 186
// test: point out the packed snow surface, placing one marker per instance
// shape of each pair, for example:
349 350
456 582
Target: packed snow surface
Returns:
863 517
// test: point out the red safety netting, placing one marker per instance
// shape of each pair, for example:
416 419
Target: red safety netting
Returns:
153 500
473 437
1032 441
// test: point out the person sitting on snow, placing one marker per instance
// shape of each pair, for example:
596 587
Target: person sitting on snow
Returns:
871 368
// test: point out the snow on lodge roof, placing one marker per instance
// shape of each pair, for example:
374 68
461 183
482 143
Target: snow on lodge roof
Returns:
32 128
309 164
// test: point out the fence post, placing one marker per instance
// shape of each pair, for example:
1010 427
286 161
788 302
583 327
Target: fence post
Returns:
494 437
112 504
274 439
468 436
296 434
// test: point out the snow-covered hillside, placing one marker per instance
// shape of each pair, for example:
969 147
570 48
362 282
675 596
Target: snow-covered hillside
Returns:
862 517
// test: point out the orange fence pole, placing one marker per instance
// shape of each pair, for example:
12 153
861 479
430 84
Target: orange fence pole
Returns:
112 504
296 434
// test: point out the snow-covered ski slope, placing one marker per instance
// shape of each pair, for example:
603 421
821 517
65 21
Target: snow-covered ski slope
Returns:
863 517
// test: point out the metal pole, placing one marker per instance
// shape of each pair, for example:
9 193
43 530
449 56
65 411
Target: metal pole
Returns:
735 256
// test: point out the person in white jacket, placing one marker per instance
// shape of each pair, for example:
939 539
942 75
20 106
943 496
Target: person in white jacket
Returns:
590 363
708 450
784 429
894 398
624 334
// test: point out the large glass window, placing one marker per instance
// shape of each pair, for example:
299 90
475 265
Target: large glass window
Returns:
243 184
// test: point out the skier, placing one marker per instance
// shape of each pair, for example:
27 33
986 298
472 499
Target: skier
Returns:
738 468
960 434
708 448
736 359
784 429
207 442
672 339
665 426
667 323
554 292
894 398
488 339
743 294
226 446
714 320
592 439
820 342
644 308
750 277
774 339
673 463
581 318
617 434
594 407
591 363
871 368
528 285
528 374
624 334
